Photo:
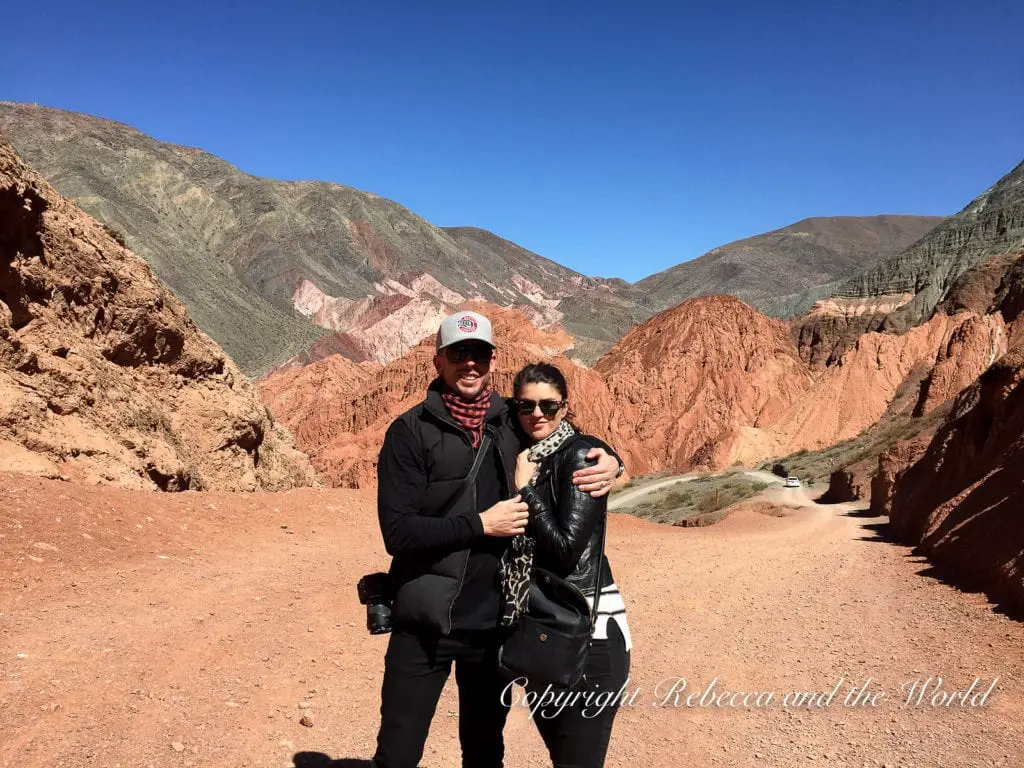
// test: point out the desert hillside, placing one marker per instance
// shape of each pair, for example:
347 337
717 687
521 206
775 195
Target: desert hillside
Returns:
103 375
959 498
916 280
281 274
700 386
766 267
266 267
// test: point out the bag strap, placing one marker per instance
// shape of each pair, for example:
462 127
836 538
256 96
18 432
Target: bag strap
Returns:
478 460
600 569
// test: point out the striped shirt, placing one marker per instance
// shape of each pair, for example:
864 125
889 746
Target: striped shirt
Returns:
610 606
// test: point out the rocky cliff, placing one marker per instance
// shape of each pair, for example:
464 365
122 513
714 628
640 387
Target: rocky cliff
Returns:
992 223
103 375
961 502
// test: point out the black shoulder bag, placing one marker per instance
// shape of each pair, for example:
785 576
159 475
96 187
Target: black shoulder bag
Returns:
551 642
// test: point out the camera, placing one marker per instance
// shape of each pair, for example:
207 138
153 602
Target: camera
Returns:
376 594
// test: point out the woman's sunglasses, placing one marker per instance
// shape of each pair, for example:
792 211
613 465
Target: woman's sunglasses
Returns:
547 407
460 353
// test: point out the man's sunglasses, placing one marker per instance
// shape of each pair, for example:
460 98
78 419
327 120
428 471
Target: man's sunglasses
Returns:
547 407
460 353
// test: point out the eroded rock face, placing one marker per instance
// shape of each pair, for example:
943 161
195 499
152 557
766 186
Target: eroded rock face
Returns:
978 289
968 349
702 386
103 374
961 502
832 328
687 382
851 483
992 223
890 466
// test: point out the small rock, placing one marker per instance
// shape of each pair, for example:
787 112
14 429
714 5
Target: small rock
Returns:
306 721
303 705
177 746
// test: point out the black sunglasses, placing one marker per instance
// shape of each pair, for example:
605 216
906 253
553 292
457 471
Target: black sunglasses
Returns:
460 353
547 407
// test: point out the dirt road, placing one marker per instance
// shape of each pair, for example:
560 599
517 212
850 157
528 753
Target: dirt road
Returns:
630 497
626 498
176 630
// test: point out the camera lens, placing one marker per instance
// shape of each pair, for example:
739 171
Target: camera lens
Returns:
378 618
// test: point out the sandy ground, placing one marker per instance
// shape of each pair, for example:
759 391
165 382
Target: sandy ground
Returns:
196 629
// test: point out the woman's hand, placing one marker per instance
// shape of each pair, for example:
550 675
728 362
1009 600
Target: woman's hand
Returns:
524 468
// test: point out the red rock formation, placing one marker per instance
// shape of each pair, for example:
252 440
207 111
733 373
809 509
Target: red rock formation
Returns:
890 465
978 290
103 376
961 502
1009 301
339 410
857 390
833 325
968 349
703 385
687 382
851 483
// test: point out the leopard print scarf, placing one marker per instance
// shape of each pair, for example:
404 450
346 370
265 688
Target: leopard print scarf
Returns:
544 448
517 560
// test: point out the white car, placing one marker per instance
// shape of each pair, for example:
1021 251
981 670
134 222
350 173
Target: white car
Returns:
792 482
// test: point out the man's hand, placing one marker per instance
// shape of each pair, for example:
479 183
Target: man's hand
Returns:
506 518
598 479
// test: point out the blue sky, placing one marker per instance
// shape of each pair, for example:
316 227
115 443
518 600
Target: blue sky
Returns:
616 138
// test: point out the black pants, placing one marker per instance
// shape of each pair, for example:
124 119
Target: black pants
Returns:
577 736
416 667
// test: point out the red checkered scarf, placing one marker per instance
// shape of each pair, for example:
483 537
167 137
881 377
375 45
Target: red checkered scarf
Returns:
469 413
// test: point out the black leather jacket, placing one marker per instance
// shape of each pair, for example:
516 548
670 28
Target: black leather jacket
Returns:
567 524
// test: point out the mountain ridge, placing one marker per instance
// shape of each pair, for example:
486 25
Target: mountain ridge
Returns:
804 254
277 272
260 263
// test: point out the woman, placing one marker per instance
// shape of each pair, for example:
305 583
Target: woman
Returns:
567 531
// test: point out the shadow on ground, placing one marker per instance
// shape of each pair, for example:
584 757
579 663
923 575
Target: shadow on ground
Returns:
320 760
882 533
866 512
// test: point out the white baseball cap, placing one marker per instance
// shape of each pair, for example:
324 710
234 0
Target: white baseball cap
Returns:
464 326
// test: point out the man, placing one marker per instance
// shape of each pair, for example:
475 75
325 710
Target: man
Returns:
446 538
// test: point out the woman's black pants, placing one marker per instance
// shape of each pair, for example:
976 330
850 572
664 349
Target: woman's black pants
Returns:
577 736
